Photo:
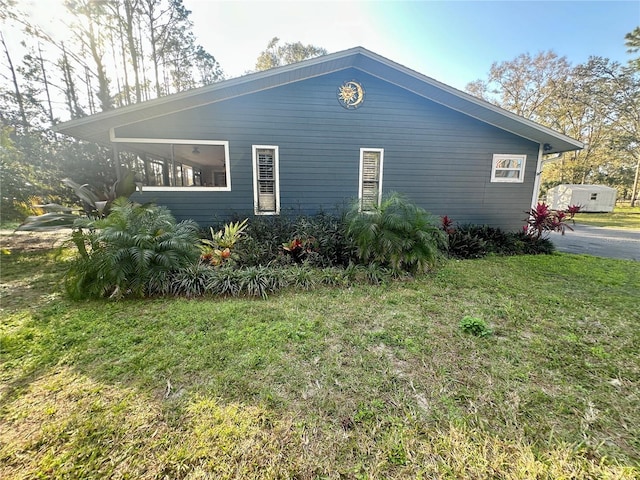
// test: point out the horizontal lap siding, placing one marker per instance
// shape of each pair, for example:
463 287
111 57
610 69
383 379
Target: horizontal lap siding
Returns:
439 158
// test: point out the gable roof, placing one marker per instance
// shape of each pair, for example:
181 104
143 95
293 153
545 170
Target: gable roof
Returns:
97 127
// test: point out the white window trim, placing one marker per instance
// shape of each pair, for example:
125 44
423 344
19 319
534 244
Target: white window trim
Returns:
360 186
182 141
502 156
276 167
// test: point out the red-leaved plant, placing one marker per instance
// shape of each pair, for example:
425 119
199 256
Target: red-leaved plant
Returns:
572 210
298 249
543 219
447 225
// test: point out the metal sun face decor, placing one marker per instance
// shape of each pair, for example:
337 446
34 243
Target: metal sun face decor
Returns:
351 94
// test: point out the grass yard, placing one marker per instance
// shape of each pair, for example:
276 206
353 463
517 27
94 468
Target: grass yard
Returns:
621 217
367 382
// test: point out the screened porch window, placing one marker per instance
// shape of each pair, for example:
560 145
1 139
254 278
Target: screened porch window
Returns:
508 168
370 178
175 164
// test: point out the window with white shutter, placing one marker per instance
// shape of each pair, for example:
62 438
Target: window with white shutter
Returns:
265 180
370 178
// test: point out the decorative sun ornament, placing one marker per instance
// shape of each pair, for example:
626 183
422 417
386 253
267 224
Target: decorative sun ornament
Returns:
350 94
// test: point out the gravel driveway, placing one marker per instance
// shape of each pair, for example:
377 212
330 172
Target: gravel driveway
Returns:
600 242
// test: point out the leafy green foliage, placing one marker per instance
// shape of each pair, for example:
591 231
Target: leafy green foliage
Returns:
528 245
33 165
220 248
476 241
229 235
475 326
396 234
326 238
297 249
264 239
466 244
94 205
323 234
131 252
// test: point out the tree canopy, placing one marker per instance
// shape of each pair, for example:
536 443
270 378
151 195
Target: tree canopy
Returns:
115 53
276 55
597 102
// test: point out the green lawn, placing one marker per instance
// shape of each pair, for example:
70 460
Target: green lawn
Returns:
365 382
621 217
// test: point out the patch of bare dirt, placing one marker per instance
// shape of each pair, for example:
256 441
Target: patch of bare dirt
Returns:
32 241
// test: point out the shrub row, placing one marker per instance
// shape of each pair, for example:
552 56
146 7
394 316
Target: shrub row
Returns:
260 281
473 241
322 235
140 250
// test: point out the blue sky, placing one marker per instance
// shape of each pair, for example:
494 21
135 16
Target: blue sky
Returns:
454 41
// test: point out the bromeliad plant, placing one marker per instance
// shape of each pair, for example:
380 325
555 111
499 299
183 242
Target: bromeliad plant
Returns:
219 249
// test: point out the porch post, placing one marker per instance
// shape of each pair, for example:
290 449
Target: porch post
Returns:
116 160
536 182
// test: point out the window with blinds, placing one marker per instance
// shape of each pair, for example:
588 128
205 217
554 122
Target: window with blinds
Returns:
265 164
370 178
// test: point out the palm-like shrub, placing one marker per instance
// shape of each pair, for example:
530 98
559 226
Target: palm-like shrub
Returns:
131 252
396 234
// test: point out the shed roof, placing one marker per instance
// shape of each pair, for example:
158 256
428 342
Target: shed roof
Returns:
97 127
583 187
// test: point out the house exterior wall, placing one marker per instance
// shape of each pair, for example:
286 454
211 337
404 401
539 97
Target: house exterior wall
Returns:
439 158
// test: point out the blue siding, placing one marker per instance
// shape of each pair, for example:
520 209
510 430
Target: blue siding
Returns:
439 158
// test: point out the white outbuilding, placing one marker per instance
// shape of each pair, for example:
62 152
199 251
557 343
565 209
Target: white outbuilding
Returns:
591 198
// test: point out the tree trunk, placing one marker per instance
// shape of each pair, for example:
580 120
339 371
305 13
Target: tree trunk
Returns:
103 82
131 40
16 87
46 87
127 90
634 192
70 88
154 56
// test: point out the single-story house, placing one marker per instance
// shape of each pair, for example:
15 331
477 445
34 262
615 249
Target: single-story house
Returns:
320 134
591 198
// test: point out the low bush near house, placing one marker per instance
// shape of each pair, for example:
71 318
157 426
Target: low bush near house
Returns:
396 234
131 252
263 240
326 236
317 240
476 241
466 244
531 245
